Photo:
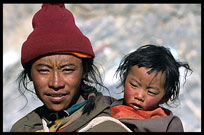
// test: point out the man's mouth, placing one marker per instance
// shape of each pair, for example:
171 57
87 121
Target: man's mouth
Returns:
56 95
57 98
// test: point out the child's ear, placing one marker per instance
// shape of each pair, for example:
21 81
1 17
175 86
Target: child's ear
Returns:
164 99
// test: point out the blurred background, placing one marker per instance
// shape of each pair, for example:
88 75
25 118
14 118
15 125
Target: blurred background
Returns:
114 31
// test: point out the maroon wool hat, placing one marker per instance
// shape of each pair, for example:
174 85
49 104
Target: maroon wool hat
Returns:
54 31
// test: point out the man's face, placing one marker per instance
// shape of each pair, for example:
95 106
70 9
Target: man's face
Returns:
57 79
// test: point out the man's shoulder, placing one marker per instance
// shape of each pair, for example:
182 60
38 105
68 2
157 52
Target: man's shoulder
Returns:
113 101
29 119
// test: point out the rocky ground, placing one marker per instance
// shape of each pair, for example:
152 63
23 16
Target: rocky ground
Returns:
114 30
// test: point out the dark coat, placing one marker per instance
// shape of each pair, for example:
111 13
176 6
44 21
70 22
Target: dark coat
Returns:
33 121
161 124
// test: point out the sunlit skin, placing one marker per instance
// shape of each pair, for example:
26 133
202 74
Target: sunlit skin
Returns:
142 90
57 79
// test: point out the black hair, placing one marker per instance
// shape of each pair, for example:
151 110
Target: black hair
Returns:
89 83
157 58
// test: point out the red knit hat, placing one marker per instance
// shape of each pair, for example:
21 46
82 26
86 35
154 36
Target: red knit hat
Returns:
54 31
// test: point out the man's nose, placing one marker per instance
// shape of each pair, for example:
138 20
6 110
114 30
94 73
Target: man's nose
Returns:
56 82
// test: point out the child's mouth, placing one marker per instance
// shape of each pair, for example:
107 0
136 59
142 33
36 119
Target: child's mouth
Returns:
136 107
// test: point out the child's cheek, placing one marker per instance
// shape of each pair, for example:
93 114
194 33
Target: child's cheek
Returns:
150 103
129 93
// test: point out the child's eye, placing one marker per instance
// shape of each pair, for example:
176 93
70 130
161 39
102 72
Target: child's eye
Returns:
133 85
152 92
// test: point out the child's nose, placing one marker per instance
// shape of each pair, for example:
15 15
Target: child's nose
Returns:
140 95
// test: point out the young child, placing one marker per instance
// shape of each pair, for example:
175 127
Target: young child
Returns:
150 77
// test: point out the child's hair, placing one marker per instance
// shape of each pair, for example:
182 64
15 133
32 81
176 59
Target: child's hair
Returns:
157 58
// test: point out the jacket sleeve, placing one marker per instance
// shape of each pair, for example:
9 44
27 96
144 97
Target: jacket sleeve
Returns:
175 125
160 124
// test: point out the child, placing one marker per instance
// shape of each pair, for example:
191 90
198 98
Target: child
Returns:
150 77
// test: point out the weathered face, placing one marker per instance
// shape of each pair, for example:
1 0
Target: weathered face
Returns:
142 90
57 79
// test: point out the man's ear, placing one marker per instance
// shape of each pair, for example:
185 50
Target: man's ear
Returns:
85 70
29 76
84 75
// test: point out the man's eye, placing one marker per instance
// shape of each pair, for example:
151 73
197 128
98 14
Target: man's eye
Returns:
68 70
43 70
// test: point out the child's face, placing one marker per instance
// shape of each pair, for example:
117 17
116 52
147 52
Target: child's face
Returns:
142 90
